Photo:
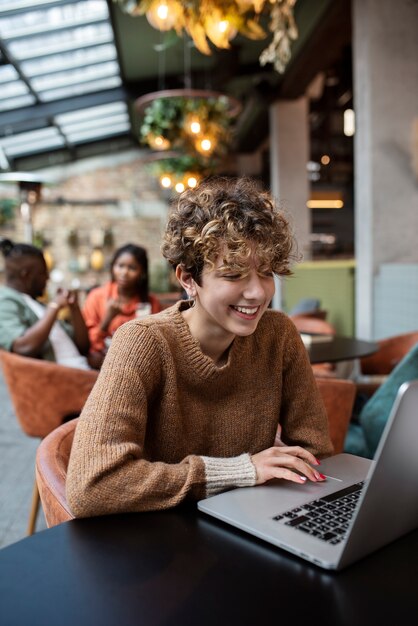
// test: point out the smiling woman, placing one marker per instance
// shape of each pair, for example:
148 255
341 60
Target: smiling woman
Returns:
117 301
177 412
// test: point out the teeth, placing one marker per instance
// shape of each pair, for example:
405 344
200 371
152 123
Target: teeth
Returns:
246 310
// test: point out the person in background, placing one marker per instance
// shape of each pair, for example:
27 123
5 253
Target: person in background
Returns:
27 326
189 402
119 300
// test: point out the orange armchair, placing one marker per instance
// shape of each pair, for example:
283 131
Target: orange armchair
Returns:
52 459
391 351
310 324
375 368
338 397
44 395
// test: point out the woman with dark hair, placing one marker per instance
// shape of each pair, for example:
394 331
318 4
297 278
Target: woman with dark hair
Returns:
119 300
27 326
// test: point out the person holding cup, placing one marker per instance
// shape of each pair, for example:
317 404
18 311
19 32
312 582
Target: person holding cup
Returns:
31 328
121 299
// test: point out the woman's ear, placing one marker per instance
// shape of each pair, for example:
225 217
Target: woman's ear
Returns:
186 281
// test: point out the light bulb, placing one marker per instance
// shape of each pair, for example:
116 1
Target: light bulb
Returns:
195 127
192 124
49 259
192 182
158 142
165 181
349 123
206 145
97 260
179 187
219 29
162 14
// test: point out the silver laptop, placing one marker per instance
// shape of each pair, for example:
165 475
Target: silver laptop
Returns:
362 506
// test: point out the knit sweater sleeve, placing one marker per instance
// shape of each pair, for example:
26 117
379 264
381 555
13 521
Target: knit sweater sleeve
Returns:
108 471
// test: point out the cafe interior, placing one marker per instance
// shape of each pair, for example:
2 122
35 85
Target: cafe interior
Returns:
109 111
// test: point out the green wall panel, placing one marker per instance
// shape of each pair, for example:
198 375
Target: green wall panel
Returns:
332 282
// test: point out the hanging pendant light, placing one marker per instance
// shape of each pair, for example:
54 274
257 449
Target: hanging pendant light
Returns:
163 14
220 20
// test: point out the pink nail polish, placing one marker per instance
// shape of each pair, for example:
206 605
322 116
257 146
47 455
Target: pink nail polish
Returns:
318 462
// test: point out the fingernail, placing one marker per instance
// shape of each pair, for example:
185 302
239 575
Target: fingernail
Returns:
303 478
318 462
322 476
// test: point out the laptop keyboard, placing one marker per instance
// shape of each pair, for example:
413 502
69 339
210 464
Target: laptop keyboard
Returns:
327 518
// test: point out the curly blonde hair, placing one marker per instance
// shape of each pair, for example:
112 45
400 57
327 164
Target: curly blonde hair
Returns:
236 213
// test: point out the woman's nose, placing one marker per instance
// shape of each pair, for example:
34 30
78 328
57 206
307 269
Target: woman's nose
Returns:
254 287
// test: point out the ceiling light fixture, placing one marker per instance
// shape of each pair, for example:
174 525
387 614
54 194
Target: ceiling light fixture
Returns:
326 199
349 123
220 20
194 123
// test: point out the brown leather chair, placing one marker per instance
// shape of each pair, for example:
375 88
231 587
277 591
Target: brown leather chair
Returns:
52 459
375 368
391 351
310 324
320 314
44 395
338 397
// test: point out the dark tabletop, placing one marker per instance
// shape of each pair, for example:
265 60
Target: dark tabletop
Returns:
181 568
340 349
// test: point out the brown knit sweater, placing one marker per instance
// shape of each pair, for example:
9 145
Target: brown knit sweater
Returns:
163 423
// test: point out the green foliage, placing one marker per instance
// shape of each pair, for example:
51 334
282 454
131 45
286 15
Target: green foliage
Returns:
168 117
181 165
7 206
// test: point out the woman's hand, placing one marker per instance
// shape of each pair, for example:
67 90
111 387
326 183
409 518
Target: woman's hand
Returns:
288 462
113 308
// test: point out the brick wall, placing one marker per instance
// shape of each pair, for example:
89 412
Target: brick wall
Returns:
115 196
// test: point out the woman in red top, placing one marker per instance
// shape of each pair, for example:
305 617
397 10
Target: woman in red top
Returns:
118 301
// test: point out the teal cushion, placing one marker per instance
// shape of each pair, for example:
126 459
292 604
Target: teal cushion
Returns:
376 411
355 442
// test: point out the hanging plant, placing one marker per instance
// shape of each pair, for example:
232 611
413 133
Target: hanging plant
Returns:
188 124
7 206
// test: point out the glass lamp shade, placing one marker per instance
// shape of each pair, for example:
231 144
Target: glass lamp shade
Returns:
219 29
97 260
162 14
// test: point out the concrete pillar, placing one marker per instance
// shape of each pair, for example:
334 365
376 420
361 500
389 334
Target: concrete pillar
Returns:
385 62
289 154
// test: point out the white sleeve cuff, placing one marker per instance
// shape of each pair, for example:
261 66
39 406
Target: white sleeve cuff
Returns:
223 474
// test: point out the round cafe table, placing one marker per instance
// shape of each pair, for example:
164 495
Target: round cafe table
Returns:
340 348
181 568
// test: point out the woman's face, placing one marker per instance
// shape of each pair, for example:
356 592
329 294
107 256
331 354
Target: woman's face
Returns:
126 271
229 303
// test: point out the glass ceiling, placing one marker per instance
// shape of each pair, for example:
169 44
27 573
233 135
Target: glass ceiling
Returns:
60 83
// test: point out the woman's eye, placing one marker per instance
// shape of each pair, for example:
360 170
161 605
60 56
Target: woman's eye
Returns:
232 276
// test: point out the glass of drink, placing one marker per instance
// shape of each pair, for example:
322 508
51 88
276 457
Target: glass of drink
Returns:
143 309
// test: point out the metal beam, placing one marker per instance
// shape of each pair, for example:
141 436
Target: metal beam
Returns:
47 110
